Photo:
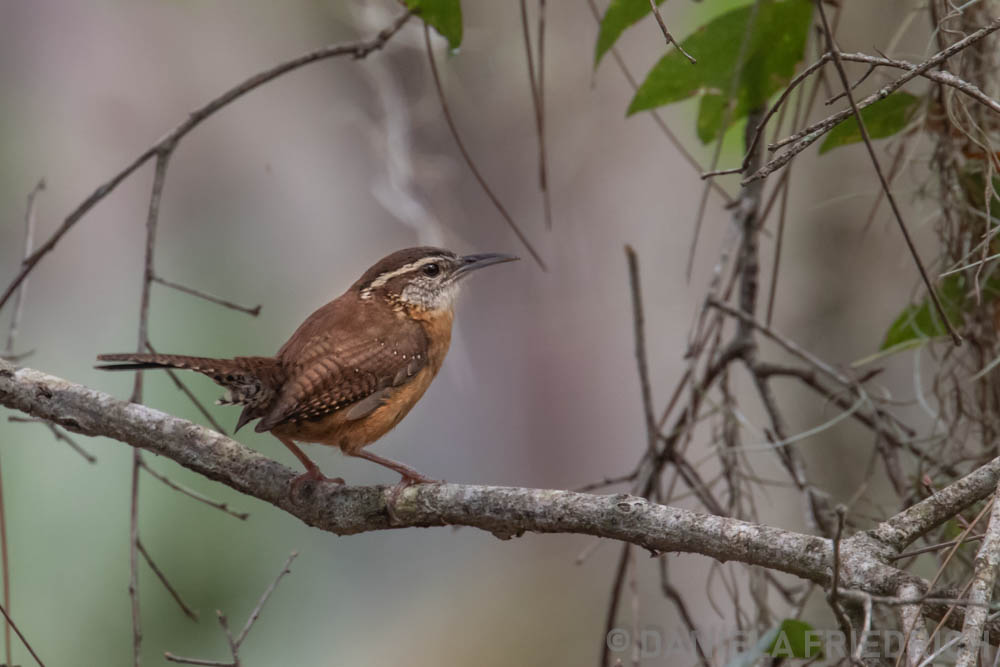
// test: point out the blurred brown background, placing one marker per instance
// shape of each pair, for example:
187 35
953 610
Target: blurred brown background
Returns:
283 199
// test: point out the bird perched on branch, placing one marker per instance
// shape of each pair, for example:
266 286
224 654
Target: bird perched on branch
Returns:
354 368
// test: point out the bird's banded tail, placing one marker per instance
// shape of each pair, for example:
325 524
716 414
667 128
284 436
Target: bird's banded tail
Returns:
249 381
139 362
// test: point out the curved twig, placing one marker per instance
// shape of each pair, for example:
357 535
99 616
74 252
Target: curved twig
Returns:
356 50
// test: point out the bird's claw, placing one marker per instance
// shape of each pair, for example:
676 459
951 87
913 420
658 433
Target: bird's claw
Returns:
405 481
312 475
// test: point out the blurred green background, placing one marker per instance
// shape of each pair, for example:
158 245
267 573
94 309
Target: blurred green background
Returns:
283 199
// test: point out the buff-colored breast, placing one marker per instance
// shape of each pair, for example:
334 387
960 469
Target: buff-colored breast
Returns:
351 435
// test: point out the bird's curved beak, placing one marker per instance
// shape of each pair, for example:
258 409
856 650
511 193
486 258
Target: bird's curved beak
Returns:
472 263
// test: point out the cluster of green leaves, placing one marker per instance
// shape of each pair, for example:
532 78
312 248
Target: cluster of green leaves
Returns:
766 57
766 41
769 53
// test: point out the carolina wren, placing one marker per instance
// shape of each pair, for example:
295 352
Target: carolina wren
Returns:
354 368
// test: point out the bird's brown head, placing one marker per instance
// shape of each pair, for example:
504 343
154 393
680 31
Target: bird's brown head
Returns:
424 278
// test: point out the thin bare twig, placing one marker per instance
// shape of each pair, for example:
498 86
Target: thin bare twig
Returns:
234 647
29 240
938 76
543 152
194 494
674 397
190 394
785 186
863 630
188 611
853 86
255 311
453 128
671 592
24 641
537 82
894 170
633 589
666 33
194 399
152 217
833 593
133 584
236 642
73 444
639 326
939 545
801 112
263 598
59 435
616 593
170 657
6 572
608 481
789 345
832 47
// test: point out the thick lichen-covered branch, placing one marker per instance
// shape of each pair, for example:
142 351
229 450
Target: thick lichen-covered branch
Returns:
503 511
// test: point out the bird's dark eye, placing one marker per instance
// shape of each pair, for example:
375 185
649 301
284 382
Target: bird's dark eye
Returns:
432 270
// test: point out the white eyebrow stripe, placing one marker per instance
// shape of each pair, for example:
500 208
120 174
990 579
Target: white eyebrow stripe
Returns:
412 266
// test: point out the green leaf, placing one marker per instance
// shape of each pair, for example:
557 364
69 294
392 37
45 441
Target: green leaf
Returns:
882 119
776 44
445 16
790 639
710 112
795 639
922 321
952 529
620 15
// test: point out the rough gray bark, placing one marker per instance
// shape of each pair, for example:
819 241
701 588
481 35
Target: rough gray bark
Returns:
503 511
